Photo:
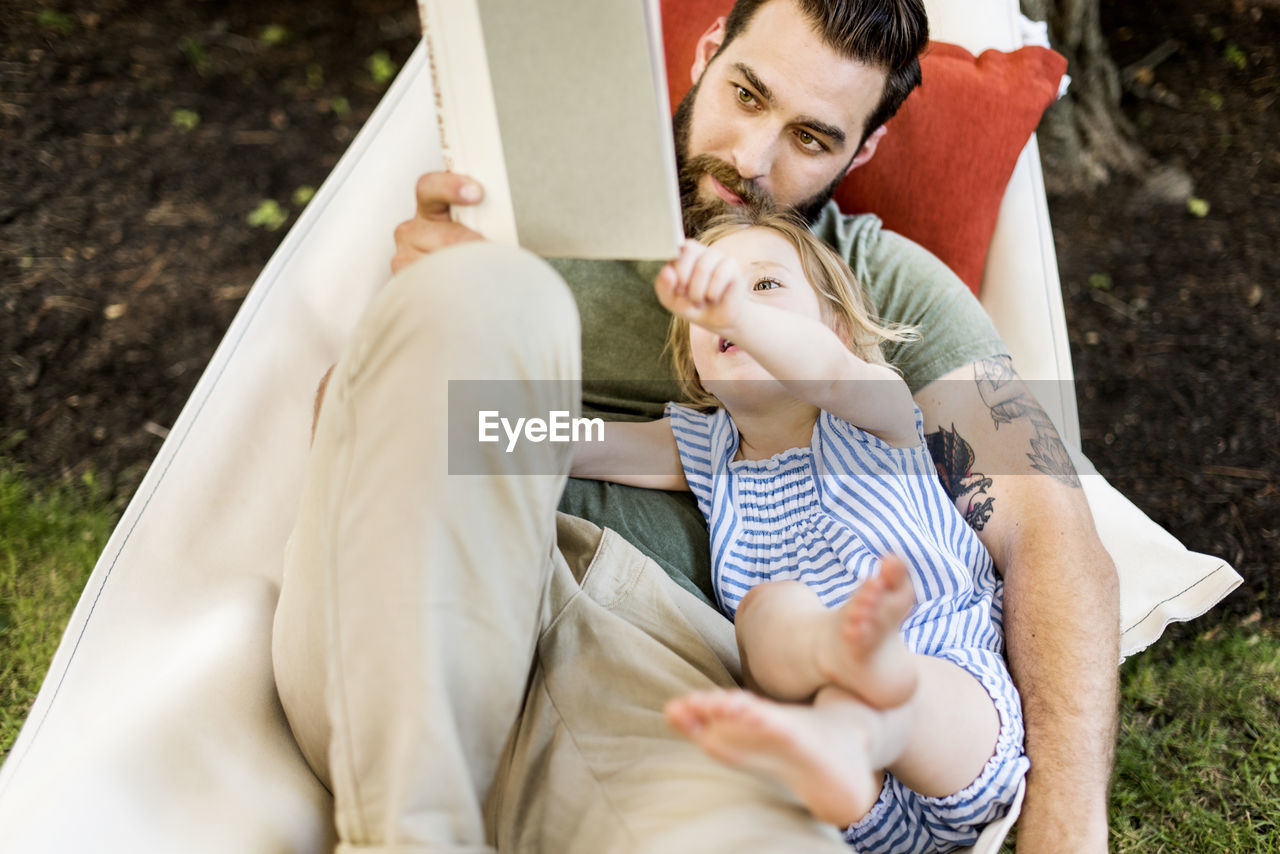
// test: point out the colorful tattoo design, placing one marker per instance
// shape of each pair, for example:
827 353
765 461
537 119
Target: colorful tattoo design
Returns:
953 457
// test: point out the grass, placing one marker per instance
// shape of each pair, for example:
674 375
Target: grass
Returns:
1200 746
1199 751
49 541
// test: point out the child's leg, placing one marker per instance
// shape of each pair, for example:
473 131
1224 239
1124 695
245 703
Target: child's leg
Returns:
791 644
951 732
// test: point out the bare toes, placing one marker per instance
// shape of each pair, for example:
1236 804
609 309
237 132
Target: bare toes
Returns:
686 715
693 712
893 574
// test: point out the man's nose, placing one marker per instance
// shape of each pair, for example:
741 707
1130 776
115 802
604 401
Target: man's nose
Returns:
753 152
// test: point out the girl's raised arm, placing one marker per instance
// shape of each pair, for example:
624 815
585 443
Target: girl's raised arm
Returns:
634 453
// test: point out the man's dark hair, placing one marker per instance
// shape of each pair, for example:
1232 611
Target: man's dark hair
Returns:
888 34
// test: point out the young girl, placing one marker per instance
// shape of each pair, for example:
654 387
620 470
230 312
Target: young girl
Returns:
867 612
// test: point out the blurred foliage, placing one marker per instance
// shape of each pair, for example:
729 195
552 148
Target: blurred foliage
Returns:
268 214
381 67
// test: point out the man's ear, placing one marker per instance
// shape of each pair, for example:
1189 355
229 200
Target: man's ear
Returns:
868 149
707 46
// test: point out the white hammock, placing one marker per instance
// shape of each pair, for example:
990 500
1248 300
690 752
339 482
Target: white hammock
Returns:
158 727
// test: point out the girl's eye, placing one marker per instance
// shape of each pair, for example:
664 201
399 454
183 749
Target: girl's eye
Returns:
766 285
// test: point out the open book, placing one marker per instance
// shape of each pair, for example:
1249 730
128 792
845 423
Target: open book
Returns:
559 109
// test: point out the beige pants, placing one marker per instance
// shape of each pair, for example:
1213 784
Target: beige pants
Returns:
461 667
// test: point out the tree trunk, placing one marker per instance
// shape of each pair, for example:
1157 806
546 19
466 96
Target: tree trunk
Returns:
1084 138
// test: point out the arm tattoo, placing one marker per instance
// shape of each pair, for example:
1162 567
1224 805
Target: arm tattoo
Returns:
953 457
1009 402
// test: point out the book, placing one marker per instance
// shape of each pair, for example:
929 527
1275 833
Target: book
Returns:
559 109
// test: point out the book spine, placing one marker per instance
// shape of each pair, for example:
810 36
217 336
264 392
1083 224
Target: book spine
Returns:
470 139
432 34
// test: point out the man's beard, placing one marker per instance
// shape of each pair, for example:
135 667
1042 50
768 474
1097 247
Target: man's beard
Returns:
699 211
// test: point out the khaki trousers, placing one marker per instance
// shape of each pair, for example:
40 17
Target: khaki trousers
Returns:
464 668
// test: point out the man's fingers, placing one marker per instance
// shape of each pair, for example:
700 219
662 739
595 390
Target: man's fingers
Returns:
437 191
418 237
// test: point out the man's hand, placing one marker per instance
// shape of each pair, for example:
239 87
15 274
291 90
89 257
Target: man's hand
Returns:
431 228
703 286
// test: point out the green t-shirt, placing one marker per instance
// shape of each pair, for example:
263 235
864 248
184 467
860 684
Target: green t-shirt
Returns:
626 376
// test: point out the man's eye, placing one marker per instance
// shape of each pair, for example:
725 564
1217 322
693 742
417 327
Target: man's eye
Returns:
808 140
744 96
766 285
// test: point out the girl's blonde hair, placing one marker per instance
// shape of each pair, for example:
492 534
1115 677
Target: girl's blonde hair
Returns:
844 304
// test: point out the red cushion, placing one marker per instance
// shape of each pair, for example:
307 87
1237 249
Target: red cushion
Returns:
683 22
940 172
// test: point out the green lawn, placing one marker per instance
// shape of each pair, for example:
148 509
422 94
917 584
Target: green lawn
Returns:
49 540
1199 750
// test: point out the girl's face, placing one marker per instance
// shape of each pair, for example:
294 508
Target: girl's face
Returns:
776 278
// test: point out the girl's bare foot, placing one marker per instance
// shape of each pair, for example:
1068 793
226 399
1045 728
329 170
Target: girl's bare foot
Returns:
819 752
863 651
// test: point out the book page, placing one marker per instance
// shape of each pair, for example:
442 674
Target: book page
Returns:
581 96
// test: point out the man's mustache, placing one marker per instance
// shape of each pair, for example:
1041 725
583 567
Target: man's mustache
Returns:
708 164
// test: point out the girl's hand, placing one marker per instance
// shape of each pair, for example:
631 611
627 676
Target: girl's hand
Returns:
703 286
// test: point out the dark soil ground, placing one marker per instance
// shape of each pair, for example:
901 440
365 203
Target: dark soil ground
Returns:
137 140
1175 318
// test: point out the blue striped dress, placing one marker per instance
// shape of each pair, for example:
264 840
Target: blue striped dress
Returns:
824 515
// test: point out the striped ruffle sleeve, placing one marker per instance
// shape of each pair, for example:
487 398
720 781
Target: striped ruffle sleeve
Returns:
692 432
